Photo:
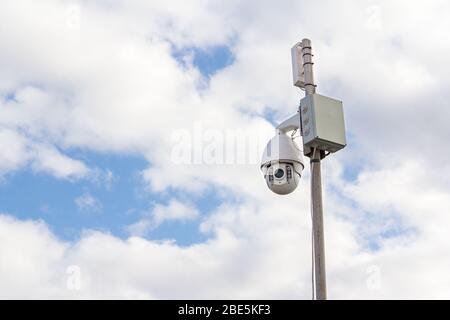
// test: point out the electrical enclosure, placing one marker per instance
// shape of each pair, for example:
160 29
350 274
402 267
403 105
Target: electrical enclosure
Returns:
322 120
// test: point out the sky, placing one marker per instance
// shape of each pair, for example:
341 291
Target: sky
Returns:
132 131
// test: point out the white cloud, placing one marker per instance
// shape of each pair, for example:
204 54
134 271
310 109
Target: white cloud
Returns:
86 202
14 152
48 159
173 211
20 151
30 256
118 89
259 250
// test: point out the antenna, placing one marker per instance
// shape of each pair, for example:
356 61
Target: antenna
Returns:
298 71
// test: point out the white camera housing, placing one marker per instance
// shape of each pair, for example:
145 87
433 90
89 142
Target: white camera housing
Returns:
282 164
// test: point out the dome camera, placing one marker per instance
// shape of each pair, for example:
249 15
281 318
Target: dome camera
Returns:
282 164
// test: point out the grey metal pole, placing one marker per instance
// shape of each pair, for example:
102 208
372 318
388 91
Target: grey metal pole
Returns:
310 87
316 188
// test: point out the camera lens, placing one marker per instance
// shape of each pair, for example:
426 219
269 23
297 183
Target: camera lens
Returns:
279 173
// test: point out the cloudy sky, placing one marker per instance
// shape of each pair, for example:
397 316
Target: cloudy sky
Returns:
131 133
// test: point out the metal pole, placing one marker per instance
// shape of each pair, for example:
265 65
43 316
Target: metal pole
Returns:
310 87
316 188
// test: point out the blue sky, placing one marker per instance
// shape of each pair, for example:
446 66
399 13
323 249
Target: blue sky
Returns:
92 94
120 202
126 198
208 60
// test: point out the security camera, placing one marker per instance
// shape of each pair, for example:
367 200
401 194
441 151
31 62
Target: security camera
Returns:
282 163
